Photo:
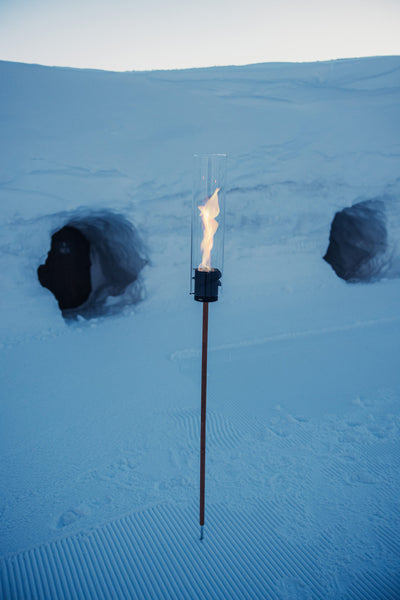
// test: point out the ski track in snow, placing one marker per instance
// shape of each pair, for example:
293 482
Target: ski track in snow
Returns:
291 335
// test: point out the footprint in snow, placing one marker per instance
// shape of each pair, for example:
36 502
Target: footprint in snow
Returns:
291 587
361 477
70 517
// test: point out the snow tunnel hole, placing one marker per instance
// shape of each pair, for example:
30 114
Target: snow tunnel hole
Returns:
94 264
358 242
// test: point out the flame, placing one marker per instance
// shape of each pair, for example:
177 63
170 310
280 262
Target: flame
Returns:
208 212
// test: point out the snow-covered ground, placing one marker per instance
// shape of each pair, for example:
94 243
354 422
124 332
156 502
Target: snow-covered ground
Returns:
100 417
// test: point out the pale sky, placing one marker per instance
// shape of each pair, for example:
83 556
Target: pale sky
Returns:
124 35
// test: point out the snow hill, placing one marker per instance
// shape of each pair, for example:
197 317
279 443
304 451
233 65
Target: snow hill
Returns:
100 416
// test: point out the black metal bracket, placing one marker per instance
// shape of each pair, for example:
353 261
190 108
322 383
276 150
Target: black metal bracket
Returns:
206 285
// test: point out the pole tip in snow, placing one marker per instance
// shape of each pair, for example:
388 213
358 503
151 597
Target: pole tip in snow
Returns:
201 532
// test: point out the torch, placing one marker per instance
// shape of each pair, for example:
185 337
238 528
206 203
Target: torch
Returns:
206 267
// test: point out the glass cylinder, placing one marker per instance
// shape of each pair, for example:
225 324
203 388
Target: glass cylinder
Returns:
208 215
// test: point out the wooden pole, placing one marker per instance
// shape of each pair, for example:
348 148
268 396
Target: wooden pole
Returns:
203 416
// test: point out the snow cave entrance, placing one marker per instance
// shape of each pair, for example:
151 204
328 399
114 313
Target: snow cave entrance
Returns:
360 243
94 265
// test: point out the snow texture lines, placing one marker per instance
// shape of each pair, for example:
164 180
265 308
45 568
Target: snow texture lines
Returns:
156 554
375 586
220 431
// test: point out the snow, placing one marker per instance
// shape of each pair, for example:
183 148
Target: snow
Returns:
100 416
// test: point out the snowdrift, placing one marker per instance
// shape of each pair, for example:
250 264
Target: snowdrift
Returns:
100 413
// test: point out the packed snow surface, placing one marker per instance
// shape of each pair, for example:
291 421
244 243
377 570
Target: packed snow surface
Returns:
100 417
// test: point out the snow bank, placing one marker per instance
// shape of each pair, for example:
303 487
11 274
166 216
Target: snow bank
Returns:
303 381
